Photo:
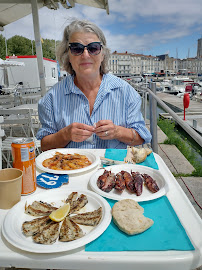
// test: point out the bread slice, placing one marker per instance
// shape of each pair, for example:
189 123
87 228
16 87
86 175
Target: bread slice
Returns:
128 216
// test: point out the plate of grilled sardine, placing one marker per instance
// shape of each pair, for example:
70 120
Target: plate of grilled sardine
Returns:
129 181
29 224
66 161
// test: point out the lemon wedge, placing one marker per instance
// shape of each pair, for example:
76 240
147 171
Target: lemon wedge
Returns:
60 214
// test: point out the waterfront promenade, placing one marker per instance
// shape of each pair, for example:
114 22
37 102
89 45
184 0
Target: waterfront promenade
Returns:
193 114
178 164
174 159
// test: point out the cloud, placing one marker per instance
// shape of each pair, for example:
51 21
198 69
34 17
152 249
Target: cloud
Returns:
183 12
133 25
140 44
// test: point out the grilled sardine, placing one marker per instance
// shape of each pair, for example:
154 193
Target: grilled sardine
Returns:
72 199
69 231
88 218
48 235
35 225
79 203
39 208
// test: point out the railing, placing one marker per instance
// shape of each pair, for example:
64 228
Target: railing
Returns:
153 100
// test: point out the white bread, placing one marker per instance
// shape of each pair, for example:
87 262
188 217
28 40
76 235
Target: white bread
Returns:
128 216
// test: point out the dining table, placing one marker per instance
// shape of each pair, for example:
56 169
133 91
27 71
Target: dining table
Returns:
145 251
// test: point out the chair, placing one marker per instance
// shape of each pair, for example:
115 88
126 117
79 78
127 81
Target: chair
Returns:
17 123
6 101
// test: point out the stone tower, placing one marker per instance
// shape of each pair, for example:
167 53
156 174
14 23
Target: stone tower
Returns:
199 48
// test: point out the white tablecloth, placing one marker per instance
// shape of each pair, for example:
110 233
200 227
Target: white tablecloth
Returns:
79 259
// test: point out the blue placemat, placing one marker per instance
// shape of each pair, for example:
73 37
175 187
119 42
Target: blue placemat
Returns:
120 154
167 233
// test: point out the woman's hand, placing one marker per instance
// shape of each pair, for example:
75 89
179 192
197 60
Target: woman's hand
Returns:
78 132
106 130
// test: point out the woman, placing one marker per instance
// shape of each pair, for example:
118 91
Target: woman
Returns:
90 108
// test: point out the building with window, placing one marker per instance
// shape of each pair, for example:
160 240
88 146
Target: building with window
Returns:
128 64
191 65
28 75
134 64
120 63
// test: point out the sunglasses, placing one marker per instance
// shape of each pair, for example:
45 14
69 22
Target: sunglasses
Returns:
94 48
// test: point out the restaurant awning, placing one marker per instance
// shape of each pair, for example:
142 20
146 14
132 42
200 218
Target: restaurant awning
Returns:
13 10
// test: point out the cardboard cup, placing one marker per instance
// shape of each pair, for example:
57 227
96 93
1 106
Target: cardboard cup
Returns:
10 187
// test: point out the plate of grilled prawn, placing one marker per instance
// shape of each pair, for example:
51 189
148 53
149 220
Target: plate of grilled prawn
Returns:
28 226
129 181
66 161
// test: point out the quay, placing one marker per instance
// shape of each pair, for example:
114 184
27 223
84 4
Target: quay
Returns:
178 165
193 114
174 159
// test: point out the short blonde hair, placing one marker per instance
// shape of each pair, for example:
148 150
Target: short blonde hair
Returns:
81 26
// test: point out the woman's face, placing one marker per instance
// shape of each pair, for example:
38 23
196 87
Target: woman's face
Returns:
85 64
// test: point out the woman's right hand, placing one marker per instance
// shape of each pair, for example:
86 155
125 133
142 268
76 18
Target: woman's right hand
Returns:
75 132
78 132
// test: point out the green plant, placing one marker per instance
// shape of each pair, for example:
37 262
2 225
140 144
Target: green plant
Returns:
169 128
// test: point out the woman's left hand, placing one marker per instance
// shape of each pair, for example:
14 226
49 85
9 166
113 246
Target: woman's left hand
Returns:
106 130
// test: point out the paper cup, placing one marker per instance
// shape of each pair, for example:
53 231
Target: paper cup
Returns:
10 187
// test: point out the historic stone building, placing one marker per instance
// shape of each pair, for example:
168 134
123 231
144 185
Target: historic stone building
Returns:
134 64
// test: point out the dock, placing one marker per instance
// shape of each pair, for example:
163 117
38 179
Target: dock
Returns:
174 159
178 164
193 114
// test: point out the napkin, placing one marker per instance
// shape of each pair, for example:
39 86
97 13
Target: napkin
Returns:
120 154
167 233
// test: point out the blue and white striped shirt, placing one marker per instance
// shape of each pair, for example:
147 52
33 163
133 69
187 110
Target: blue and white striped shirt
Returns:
116 100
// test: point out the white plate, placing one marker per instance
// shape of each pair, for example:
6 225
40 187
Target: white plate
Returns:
12 225
50 153
146 194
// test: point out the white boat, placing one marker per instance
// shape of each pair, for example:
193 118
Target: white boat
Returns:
179 84
166 85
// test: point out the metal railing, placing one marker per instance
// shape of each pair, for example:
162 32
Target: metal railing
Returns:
153 100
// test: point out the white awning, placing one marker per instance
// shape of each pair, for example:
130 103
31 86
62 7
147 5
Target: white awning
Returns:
13 10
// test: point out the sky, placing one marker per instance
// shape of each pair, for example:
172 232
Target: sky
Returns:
149 27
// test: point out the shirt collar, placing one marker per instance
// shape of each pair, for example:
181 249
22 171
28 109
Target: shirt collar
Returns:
109 82
69 86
